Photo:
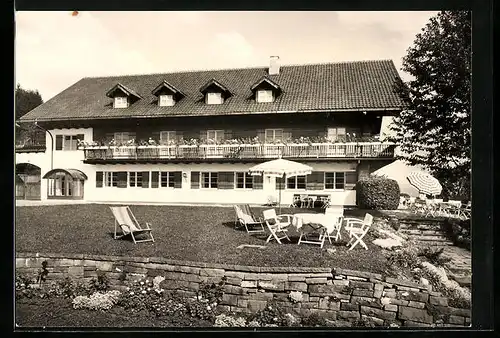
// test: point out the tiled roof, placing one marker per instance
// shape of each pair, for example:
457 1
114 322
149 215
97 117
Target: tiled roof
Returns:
364 85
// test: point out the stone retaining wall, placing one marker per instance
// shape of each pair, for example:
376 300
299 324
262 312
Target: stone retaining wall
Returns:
339 294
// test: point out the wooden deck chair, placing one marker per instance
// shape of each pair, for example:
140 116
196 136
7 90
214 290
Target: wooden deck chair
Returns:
358 229
276 225
125 219
338 211
245 218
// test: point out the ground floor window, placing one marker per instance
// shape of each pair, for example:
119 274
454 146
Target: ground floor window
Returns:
334 180
167 179
244 180
110 179
296 182
62 185
135 179
209 180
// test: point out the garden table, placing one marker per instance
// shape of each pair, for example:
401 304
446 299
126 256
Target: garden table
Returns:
323 224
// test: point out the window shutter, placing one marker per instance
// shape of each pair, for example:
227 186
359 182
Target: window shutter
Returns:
154 179
59 142
203 136
315 181
351 178
311 181
258 182
177 179
195 180
226 180
261 134
122 179
99 179
145 179
280 183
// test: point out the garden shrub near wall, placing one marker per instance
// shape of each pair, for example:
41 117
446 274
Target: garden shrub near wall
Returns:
378 193
459 231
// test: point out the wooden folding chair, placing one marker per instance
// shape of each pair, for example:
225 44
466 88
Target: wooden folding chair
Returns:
245 218
125 219
277 227
358 229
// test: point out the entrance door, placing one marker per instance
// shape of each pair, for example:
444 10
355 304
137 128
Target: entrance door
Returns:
28 181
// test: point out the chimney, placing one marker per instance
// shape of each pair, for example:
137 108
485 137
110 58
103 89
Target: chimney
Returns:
274 65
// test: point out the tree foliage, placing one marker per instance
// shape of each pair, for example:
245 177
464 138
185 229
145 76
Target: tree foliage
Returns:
27 100
435 130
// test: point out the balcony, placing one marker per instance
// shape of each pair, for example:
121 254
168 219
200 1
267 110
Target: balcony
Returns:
233 152
30 148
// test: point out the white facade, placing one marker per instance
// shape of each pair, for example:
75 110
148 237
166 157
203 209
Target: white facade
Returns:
63 159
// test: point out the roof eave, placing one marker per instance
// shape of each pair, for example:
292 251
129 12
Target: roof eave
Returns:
335 110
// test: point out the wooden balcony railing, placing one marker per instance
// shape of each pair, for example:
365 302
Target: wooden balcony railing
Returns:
30 148
242 151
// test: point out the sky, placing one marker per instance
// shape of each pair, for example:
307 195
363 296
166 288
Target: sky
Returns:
53 50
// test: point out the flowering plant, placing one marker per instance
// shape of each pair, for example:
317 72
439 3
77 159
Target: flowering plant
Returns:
97 301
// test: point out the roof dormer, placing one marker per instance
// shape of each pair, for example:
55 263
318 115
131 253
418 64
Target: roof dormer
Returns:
122 96
215 92
266 90
167 94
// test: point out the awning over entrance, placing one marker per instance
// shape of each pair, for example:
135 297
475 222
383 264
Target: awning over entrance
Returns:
74 173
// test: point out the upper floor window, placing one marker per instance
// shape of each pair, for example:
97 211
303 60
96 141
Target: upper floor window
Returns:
167 137
215 135
166 100
335 134
213 98
120 102
68 142
265 96
123 137
274 135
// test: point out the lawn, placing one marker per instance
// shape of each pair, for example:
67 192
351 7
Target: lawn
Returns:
189 233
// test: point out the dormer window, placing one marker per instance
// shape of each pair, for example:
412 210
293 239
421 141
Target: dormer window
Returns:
120 102
265 96
166 100
167 94
265 90
215 92
213 98
122 96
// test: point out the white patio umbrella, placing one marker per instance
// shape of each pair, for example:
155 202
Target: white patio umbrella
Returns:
425 183
280 168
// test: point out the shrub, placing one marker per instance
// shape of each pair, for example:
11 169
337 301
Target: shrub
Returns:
459 231
273 315
314 319
406 258
377 193
434 255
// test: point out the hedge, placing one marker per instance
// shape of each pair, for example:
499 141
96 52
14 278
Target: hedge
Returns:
377 193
